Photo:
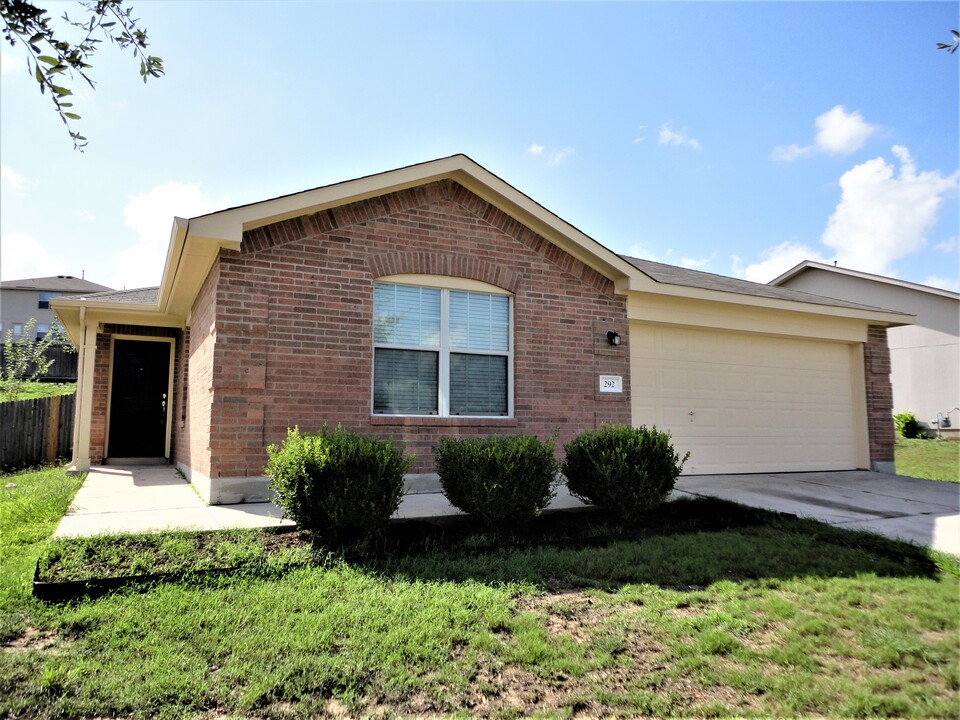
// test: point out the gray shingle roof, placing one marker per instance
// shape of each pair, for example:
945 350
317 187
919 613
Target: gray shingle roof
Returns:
672 275
137 296
56 283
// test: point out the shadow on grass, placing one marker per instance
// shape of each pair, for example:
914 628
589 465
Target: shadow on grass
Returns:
684 544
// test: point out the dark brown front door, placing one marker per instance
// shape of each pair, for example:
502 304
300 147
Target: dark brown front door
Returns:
138 401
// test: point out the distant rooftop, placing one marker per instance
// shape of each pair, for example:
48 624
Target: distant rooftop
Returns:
813 265
55 283
672 275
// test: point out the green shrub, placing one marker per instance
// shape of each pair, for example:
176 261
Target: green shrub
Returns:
498 479
336 483
628 470
907 425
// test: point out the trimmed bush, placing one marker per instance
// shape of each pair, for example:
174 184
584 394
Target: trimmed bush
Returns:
336 483
498 479
907 425
625 469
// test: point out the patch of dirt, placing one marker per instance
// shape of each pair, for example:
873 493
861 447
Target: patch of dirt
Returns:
567 613
31 639
496 688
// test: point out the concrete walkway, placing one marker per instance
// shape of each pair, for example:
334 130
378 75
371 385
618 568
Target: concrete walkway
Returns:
116 499
140 499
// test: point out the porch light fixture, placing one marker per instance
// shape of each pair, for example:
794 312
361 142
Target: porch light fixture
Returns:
613 337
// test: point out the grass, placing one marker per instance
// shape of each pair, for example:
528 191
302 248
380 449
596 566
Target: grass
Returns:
929 459
758 615
31 390
29 513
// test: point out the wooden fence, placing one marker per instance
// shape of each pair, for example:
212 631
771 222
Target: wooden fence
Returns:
36 432
64 368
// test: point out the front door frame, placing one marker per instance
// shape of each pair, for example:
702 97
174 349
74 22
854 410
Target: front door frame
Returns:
169 409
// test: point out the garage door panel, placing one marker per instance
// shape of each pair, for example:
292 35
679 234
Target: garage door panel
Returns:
759 403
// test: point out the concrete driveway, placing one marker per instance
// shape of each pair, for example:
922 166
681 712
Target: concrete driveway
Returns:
924 511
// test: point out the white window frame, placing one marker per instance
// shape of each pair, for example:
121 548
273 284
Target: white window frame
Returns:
446 286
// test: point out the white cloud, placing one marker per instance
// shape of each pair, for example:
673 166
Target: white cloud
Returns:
10 63
85 215
639 250
668 136
551 157
22 256
775 261
696 263
150 215
838 133
942 283
13 178
786 153
639 139
949 245
559 156
883 216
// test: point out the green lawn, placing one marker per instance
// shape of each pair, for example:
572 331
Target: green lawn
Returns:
929 459
769 617
31 390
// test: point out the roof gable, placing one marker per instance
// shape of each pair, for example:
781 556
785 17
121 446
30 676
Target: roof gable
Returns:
195 243
806 265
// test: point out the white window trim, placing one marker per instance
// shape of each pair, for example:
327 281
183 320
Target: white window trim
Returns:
443 350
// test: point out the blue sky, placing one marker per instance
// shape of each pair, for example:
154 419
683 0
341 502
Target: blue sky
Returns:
737 138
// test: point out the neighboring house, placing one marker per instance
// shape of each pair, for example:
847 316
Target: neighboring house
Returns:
21 300
924 356
439 300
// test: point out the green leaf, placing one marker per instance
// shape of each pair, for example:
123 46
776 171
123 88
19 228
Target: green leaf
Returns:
72 116
62 91
39 75
48 60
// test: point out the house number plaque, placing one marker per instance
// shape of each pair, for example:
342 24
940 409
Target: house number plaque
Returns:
611 384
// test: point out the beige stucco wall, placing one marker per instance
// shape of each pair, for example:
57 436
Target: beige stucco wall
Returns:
18 306
924 357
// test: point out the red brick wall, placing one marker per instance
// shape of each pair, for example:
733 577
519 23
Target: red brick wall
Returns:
194 398
101 382
294 314
880 428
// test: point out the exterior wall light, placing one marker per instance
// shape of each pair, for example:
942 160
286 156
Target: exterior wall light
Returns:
613 337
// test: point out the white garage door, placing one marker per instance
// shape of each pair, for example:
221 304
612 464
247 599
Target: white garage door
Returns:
744 403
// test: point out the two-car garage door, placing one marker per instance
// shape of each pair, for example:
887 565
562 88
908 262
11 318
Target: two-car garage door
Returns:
745 402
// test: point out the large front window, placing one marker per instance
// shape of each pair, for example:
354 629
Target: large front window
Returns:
440 352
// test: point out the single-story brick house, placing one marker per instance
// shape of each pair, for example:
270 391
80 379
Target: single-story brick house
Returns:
437 299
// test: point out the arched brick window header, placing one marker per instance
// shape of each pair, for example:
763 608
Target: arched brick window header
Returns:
446 264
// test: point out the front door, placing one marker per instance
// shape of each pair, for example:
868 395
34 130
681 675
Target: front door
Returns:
138 401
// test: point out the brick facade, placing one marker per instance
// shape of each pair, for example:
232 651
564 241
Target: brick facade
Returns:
880 427
291 327
195 383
